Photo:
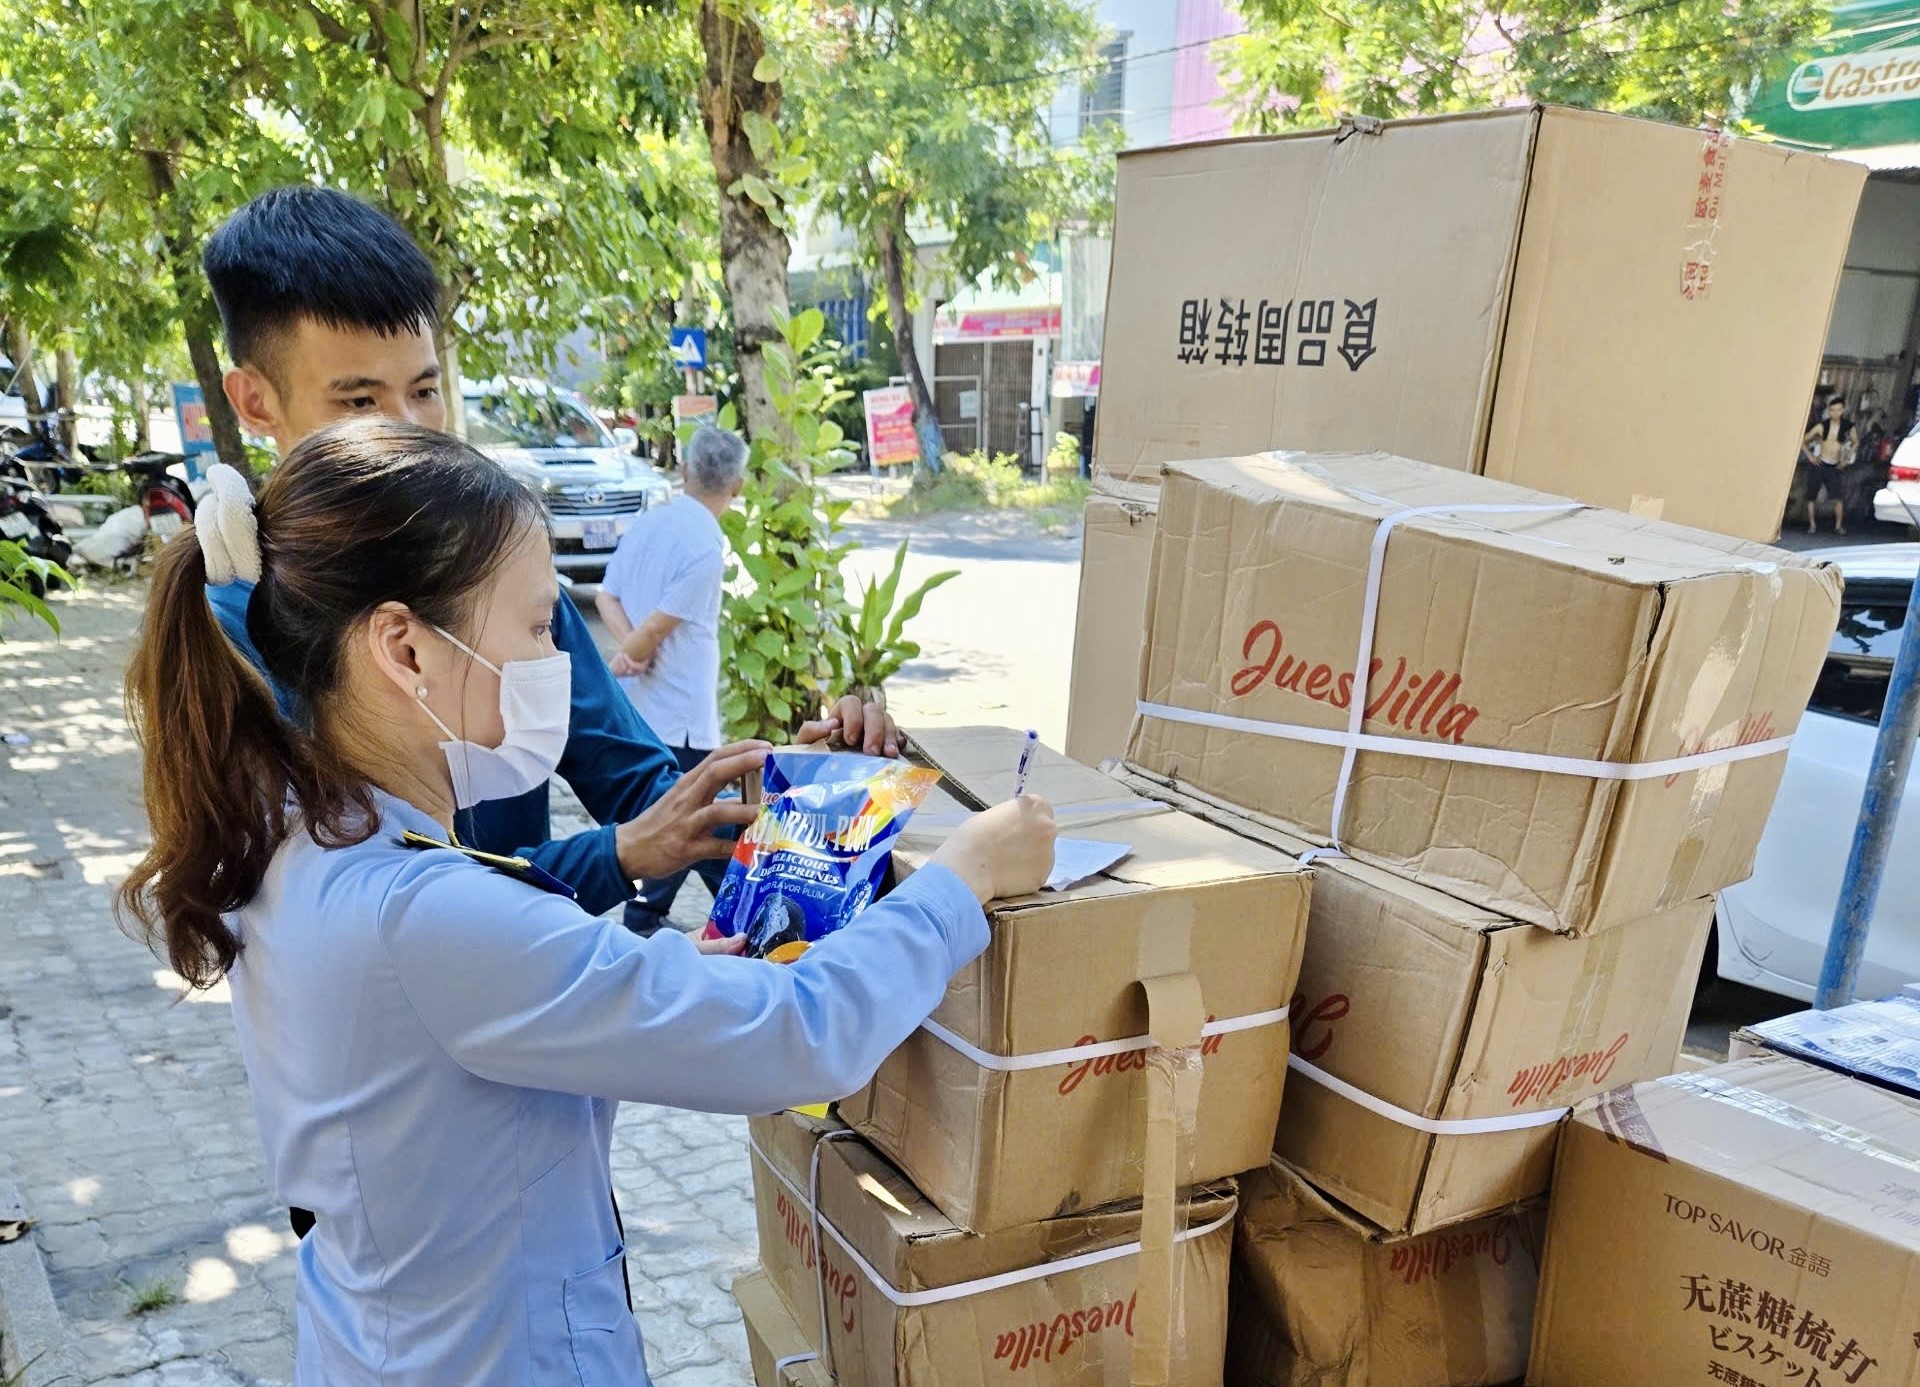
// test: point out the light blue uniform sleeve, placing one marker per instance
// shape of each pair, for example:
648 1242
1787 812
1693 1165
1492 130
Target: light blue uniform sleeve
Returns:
521 987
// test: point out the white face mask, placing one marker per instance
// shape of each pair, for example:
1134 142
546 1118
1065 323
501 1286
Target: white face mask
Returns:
536 700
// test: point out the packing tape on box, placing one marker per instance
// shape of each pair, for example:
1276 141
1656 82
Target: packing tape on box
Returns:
1433 1126
1353 740
959 1290
1074 1054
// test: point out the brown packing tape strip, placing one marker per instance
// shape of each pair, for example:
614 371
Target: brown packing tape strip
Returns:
1175 1015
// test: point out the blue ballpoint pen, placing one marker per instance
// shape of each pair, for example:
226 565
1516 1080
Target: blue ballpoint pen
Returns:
1026 763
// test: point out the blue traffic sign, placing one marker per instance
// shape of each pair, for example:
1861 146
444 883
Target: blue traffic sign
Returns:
689 348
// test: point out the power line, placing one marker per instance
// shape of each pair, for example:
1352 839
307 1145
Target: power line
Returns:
1105 64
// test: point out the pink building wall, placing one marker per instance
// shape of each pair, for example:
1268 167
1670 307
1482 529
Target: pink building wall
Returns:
1197 110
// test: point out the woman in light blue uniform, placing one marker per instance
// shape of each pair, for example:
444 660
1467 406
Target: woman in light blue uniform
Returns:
434 1045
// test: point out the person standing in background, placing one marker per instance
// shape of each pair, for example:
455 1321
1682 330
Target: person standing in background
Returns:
660 600
1830 445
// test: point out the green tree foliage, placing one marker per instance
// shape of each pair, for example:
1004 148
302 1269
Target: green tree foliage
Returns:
933 113
1309 61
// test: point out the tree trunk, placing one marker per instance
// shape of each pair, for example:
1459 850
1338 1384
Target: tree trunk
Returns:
199 321
142 413
67 375
895 245
20 348
753 250
450 379
228 446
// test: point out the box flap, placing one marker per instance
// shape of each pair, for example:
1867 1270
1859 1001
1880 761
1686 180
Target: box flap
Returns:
1815 1140
1116 551
1167 849
1626 548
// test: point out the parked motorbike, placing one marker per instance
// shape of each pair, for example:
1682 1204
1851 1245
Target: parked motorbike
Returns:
26 521
165 498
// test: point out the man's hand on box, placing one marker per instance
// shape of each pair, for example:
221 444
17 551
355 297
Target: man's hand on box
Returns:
862 726
679 829
1003 851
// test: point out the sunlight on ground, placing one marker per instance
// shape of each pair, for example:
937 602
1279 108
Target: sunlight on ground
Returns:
209 1279
169 981
254 1243
84 1190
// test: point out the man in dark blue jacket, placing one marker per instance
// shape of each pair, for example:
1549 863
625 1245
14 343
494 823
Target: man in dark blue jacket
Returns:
330 310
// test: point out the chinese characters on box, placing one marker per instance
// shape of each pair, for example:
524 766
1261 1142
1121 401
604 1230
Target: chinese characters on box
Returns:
1793 1341
1239 332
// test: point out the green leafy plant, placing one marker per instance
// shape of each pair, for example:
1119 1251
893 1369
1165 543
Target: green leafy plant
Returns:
878 646
790 638
23 581
783 635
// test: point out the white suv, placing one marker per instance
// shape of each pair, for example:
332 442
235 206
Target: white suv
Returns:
593 484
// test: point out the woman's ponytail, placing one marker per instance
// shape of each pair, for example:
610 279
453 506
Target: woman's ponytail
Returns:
220 767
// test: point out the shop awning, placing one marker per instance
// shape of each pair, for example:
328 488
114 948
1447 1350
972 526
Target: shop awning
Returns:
986 313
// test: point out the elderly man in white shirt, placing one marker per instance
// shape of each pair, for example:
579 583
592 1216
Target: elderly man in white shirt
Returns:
661 601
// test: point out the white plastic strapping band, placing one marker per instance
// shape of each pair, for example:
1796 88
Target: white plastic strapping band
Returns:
1433 1126
1073 1054
960 1290
1472 755
1353 740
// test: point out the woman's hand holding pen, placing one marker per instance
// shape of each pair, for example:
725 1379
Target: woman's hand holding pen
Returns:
1003 851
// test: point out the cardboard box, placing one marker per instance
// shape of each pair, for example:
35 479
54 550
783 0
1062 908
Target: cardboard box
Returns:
1877 1041
1116 548
1525 293
1318 1297
773 1335
1758 1222
1569 637
1077 1325
995 1144
1443 1015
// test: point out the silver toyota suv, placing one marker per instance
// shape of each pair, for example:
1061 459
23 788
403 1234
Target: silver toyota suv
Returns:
593 484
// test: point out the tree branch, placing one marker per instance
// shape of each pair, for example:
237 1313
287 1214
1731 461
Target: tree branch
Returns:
331 29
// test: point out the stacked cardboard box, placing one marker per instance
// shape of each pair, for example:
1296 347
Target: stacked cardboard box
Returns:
1758 1222
1320 1298
1437 1042
1544 296
1038 1180
1567 736
910 1298
1569 715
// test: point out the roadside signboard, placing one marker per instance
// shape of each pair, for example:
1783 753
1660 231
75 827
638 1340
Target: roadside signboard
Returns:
890 436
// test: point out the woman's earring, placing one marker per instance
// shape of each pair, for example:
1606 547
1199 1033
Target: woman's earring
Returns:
420 692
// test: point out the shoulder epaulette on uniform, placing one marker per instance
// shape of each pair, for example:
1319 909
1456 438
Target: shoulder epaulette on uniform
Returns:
519 868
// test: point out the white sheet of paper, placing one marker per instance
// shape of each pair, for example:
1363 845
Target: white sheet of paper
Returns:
1076 859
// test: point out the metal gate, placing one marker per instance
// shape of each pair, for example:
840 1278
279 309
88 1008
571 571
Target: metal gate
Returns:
983 392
